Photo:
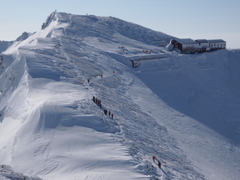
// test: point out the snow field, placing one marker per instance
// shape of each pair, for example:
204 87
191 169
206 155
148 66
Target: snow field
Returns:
182 109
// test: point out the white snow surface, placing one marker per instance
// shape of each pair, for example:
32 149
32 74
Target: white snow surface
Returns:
183 109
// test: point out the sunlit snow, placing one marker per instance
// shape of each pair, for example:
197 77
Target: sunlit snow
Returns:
183 109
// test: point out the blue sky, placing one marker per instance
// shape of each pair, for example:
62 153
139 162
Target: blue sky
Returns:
210 19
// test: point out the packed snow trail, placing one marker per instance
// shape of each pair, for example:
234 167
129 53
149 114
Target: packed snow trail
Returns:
139 131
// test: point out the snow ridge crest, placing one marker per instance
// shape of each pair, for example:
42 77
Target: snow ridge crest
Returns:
50 18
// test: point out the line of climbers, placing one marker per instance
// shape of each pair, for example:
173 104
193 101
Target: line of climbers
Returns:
88 80
101 75
106 112
99 103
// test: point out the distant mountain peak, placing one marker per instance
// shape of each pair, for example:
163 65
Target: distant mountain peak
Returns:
105 27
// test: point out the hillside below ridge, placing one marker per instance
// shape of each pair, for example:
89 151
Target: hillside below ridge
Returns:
46 103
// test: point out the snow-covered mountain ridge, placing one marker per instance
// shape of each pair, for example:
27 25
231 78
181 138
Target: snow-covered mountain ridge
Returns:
182 109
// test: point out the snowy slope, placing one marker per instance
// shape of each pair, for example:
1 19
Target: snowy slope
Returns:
203 93
6 172
181 108
4 45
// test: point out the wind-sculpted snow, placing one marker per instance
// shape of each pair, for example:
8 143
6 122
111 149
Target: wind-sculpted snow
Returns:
183 109
50 18
24 36
6 173
4 45
13 82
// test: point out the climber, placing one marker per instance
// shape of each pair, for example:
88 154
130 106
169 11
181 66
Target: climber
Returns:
156 161
159 164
